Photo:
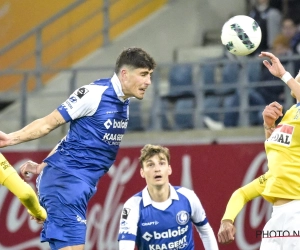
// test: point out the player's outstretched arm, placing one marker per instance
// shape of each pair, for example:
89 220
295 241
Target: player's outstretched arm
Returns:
24 192
34 130
276 69
235 204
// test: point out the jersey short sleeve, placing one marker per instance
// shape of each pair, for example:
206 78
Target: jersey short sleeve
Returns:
129 219
83 102
198 215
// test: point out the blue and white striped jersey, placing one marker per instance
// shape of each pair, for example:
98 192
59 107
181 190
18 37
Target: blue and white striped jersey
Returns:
166 225
98 117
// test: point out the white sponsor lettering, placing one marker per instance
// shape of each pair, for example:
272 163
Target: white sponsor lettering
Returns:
120 124
112 137
158 247
166 234
116 124
179 244
150 223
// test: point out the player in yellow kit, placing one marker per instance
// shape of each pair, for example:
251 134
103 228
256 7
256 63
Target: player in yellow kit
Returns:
11 179
280 185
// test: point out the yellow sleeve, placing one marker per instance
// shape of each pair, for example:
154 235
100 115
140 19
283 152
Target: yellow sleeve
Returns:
242 195
5 169
11 179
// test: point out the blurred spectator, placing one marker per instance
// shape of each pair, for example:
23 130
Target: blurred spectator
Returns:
293 9
290 30
269 20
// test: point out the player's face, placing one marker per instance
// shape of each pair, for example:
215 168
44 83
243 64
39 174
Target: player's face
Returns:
156 170
135 81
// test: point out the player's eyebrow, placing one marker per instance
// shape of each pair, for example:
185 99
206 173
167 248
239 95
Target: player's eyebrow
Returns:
147 71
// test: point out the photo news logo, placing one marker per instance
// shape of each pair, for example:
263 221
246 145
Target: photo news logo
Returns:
277 233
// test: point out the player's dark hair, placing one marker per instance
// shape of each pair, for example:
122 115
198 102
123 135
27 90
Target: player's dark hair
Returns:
150 150
136 58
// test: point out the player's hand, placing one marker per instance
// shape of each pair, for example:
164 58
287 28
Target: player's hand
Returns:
39 221
275 67
29 167
226 232
40 217
271 113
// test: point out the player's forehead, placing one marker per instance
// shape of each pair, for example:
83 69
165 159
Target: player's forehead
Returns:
142 70
156 157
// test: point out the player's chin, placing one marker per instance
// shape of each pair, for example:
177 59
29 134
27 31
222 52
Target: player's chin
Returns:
139 97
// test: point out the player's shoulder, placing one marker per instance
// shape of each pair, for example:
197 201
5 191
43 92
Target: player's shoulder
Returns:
90 92
188 193
181 189
101 82
134 200
89 89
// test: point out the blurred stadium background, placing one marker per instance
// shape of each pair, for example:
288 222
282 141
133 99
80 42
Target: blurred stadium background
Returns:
50 48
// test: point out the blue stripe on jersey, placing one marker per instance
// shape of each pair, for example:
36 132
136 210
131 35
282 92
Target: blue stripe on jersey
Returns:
61 109
201 223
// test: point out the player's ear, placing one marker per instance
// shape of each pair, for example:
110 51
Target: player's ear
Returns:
169 170
124 73
142 172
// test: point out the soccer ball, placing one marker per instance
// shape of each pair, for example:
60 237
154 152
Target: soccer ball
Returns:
241 35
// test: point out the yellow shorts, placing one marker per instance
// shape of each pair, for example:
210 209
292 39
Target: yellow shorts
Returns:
5 169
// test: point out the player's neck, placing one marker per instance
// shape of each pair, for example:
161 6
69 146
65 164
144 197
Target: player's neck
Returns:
159 194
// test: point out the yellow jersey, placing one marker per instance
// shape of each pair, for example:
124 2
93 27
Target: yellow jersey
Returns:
282 180
283 154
